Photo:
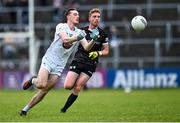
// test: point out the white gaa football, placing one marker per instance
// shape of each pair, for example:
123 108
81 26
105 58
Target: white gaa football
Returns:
138 23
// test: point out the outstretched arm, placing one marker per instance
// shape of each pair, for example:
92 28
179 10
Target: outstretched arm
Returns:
87 45
67 39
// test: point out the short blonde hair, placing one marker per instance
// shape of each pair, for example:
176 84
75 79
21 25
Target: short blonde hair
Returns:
94 10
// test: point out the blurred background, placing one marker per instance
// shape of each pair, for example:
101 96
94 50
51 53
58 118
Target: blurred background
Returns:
148 59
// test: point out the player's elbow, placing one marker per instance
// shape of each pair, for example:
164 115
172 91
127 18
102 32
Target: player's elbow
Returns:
106 53
65 40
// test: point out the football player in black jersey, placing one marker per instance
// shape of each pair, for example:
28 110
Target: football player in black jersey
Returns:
84 63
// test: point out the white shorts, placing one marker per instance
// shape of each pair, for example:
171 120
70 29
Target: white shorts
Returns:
52 67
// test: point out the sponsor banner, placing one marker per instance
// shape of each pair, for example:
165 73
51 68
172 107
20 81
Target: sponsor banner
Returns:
12 79
116 78
25 76
98 79
1 80
144 78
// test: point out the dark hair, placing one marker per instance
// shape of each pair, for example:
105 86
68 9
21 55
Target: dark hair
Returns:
67 12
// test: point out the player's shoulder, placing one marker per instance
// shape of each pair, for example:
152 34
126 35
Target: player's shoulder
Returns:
77 30
102 32
61 25
85 28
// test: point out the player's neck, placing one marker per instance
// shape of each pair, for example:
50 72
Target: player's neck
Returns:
71 26
92 26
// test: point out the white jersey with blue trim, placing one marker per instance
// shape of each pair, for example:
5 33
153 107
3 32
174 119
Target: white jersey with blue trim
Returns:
57 53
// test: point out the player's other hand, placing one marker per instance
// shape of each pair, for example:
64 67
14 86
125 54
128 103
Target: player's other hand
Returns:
81 35
93 54
95 35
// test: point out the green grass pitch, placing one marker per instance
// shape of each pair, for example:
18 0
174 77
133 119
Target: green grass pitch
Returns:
95 105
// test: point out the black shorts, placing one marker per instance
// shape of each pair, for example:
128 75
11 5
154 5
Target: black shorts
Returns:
79 67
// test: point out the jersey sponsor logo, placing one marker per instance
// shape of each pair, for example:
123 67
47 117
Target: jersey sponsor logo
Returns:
96 81
72 67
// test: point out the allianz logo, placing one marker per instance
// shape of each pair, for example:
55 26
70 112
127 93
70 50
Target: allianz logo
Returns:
142 79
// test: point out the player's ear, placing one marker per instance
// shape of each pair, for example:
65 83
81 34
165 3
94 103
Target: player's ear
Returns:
64 16
89 18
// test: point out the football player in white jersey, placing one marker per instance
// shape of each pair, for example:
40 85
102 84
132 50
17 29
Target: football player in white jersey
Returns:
66 40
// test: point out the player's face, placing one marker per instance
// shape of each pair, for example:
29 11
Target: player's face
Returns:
74 17
94 19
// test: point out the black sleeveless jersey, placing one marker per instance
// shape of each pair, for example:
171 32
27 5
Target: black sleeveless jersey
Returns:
82 55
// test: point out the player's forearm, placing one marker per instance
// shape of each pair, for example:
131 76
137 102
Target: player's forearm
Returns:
103 52
89 45
70 39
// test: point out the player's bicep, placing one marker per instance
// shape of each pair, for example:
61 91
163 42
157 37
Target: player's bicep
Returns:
61 31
